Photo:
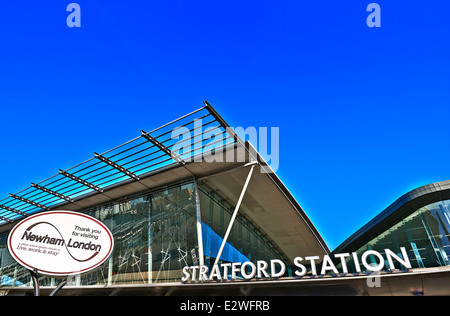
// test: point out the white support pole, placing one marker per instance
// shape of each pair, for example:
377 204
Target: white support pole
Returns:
149 250
199 227
230 225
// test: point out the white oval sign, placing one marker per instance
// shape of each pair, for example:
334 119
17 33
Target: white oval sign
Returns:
60 243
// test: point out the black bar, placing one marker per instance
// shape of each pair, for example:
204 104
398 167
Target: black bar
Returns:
116 166
71 176
5 219
162 147
216 115
59 287
34 276
63 197
12 210
28 201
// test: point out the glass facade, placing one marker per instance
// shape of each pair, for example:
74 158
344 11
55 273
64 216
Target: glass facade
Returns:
155 235
425 234
245 242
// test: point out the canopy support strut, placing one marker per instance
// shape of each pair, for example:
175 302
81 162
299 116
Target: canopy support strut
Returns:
230 225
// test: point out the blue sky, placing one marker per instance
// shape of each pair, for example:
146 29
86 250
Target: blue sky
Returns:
362 111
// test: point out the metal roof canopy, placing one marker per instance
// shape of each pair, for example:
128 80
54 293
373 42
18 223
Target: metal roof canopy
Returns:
132 159
147 162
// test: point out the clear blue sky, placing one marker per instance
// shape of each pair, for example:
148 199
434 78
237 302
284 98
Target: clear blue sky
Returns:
363 112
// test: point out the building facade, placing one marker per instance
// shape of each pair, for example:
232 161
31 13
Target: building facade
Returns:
418 221
168 196
191 193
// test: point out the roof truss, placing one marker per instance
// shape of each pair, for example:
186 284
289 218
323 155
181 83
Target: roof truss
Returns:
137 158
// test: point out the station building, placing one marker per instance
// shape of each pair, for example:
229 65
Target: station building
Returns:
419 220
174 198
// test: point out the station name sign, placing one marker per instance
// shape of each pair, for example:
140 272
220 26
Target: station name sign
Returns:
372 260
60 243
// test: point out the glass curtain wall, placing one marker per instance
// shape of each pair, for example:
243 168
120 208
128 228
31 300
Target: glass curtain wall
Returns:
425 234
155 236
245 242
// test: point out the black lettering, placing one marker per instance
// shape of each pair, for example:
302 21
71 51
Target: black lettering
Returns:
83 245
27 237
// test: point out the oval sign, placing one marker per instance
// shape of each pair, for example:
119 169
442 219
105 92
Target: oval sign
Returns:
60 243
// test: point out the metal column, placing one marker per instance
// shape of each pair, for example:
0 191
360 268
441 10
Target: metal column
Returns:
199 227
230 225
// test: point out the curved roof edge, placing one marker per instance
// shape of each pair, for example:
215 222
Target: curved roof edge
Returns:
256 156
400 209
149 161
290 197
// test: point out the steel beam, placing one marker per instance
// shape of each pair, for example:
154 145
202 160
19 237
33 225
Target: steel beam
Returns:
89 185
5 219
61 196
13 210
116 166
28 201
162 147
230 225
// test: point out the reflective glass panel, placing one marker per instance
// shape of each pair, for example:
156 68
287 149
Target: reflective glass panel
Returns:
425 234
245 242
155 236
